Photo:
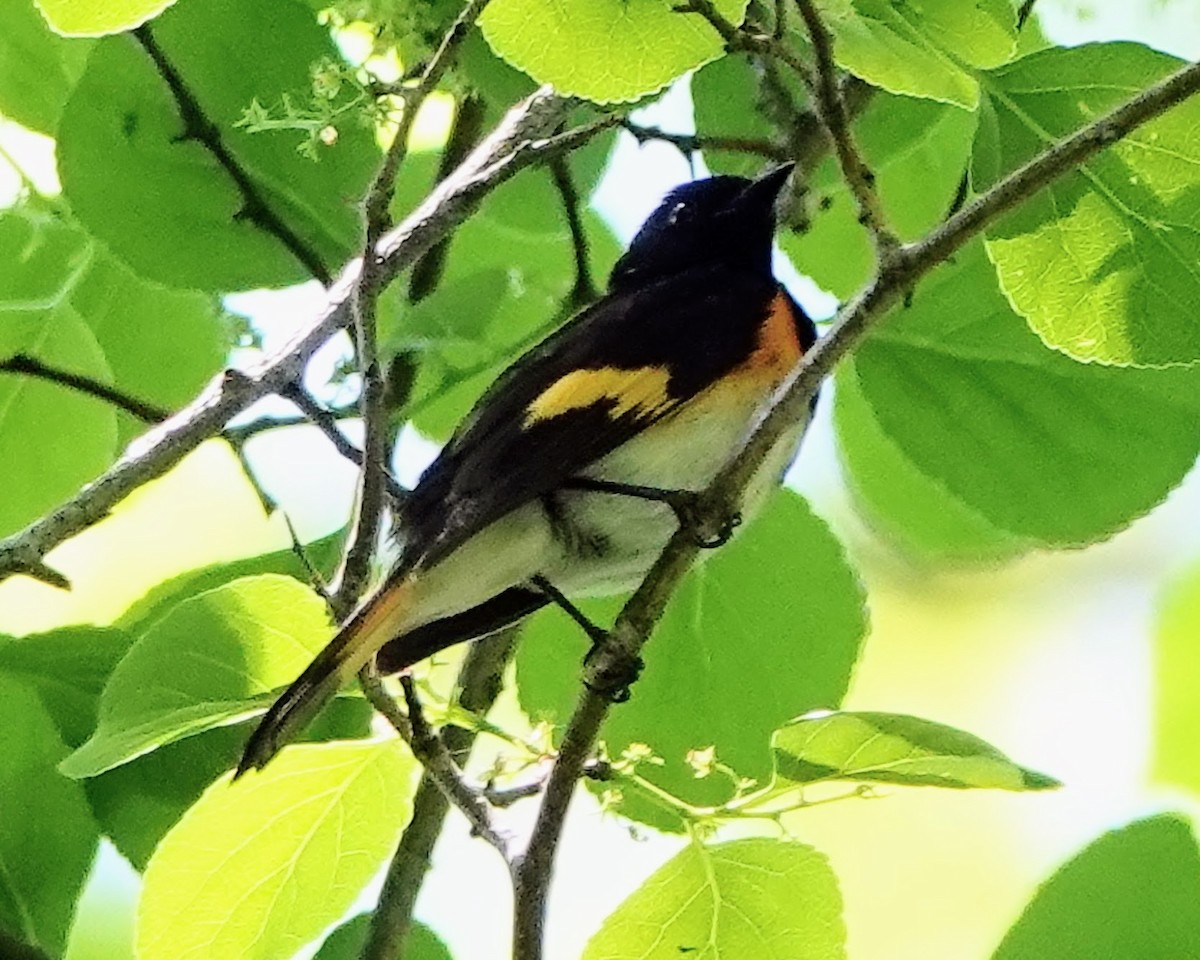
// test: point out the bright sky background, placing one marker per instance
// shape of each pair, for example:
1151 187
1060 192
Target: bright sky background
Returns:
1047 658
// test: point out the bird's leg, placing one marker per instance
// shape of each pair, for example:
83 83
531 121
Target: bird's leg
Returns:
616 685
688 506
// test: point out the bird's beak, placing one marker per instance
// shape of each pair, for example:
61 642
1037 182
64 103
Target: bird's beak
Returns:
763 191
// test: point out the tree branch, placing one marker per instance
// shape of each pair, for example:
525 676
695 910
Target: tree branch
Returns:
828 97
21 363
434 756
372 279
519 141
911 262
479 683
197 126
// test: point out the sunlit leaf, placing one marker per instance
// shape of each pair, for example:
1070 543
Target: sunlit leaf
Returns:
895 748
924 49
258 868
94 18
213 660
1104 262
604 50
158 601
745 899
52 440
138 802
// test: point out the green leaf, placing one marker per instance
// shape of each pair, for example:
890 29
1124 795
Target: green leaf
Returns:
1131 895
159 345
725 100
922 49
348 940
162 345
163 201
52 440
94 18
1104 262
47 836
37 69
895 748
1177 664
258 868
211 661
744 900
1022 435
138 802
157 602
744 631
918 152
44 256
68 667
907 508
604 50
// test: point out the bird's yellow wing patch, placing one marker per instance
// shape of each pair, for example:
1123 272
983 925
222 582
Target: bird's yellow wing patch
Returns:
641 390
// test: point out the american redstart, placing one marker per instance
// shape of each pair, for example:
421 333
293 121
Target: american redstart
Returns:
568 476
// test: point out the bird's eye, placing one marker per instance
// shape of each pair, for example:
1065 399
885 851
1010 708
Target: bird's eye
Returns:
679 212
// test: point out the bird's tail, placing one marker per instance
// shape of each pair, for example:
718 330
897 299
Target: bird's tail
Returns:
377 621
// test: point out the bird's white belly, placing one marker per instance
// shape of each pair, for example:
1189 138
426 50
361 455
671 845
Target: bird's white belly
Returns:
675 455
595 543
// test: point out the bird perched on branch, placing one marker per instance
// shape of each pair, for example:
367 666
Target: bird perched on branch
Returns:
574 469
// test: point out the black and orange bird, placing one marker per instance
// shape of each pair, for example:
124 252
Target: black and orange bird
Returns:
573 470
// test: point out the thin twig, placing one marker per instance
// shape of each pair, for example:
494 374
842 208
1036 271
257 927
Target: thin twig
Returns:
737 38
360 548
197 126
326 421
583 291
532 870
434 756
479 683
21 363
1024 12
692 142
268 503
265 424
518 142
828 96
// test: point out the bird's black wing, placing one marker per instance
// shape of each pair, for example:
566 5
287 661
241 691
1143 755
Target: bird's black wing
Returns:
611 371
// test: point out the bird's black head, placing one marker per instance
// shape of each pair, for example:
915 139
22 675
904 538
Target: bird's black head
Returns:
729 220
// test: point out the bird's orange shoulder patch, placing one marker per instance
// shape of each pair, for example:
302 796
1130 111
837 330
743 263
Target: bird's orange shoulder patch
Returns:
640 390
778 348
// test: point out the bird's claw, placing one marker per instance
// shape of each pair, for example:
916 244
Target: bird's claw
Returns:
697 517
